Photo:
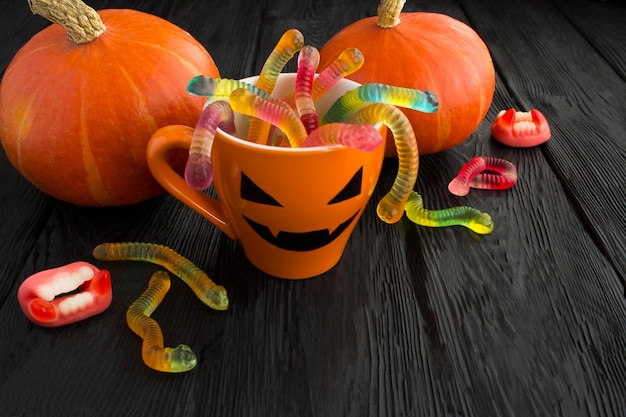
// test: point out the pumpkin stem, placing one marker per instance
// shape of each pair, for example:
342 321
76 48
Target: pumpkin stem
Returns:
389 13
81 22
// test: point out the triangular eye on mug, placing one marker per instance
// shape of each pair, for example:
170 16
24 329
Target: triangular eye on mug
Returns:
352 188
249 191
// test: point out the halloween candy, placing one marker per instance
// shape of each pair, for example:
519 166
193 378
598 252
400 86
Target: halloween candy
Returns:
219 88
198 171
455 216
46 300
391 208
364 137
307 64
348 62
154 354
472 175
206 290
290 42
280 115
520 129
352 100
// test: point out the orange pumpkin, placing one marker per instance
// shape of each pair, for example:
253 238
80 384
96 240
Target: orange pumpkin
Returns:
426 51
79 102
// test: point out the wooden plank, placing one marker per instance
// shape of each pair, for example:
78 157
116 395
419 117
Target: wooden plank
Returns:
543 62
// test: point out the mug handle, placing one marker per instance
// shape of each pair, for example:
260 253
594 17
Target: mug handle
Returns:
179 137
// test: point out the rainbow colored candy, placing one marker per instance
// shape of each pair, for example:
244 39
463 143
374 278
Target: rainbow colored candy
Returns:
391 208
271 111
364 137
307 64
455 216
289 43
206 290
219 88
348 62
199 170
472 175
351 101
154 354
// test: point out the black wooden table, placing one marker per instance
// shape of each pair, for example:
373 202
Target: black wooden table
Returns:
527 321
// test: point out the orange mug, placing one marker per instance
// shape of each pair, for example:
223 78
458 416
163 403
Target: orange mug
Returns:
292 209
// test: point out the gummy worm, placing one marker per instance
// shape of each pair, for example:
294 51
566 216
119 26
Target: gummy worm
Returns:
199 170
391 208
219 88
348 62
455 216
352 100
472 175
154 354
364 137
206 290
307 64
289 43
286 119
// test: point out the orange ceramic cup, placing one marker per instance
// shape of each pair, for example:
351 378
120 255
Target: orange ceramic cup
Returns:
292 209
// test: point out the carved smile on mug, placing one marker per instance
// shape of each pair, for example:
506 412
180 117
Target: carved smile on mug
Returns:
299 241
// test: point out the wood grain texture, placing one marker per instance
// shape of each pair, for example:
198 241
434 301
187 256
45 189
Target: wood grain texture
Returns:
527 321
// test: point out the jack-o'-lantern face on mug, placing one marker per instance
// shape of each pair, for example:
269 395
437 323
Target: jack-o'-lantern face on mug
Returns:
300 238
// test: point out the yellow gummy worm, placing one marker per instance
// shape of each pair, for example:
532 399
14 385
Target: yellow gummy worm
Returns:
454 216
280 115
289 43
205 289
154 354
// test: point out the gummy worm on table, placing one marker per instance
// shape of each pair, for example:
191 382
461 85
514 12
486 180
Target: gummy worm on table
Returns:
364 137
307 64
270 111
473 174
391 208
289 43
455 216
206 290
352 100
199 170
154 354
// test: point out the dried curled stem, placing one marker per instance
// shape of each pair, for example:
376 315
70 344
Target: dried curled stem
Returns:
81 22
389 13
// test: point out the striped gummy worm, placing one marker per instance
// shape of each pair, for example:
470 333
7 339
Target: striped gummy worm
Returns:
454 216
155 355
307 64
484 172
199 170
206 290
352 100
391 207
219 88
270 111
289 43
364 137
